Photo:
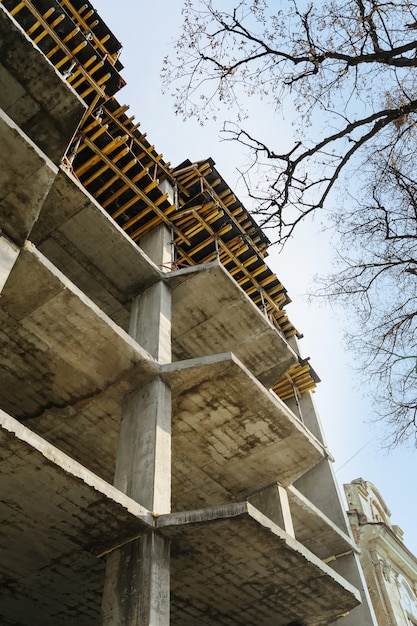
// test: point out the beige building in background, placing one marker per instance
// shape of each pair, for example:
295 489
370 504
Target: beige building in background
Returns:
390 569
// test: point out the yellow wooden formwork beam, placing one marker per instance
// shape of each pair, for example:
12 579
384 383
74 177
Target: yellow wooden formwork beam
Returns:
112 145
148 151
198 227
209 240
185 217
248 276
219 199
17 8
114 178
151 204
58 41
145 228
78 74
137 217
297 379
245 263
65 59
37 24
121 109
92 124
101 171
192 173
100 130
142 214
121 191
54 24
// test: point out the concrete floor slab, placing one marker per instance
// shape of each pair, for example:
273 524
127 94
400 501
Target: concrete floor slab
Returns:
232 566
82 240
230 435
63 359
26 175
34 94
56 519
212 314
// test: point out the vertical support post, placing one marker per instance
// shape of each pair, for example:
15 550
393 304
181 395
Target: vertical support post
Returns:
136 590
143 467
150 321
157 244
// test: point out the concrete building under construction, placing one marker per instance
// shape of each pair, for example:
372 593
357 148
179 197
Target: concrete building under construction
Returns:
162 461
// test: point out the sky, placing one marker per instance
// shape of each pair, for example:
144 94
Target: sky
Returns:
147 32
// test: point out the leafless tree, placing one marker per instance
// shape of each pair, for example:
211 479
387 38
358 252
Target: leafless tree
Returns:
376 280
345 65
347 68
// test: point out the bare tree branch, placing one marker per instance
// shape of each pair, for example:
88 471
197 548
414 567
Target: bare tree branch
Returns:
353 61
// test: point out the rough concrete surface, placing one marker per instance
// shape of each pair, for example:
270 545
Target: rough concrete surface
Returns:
37 98
233 566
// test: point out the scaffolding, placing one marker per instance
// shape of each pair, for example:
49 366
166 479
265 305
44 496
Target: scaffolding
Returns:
113 159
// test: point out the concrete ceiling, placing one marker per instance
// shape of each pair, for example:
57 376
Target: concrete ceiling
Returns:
212 314
233 566
65 366
231 436
24 180
56 519
81 239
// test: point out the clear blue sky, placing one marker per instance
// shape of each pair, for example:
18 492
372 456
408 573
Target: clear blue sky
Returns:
147 31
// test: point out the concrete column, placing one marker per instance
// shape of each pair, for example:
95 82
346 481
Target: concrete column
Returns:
158 245
8 255
143 467
150 321
136 591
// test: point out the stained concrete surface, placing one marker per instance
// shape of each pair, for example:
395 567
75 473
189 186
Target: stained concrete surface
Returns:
230 435
233 566
82 240
212 314
37 98
56 519
25 180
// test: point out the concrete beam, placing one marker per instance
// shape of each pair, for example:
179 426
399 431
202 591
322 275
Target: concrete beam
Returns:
65 366
63 321
230 435
26 175
228 322
34 94
235 554
273 502
158 244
